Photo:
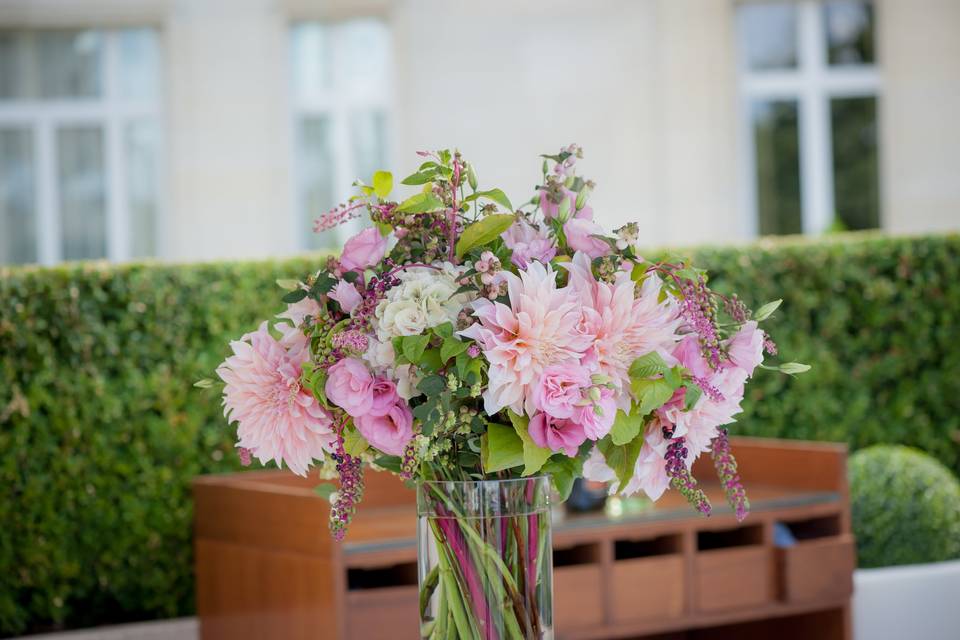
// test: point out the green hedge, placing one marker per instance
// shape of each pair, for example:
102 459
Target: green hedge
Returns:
101 430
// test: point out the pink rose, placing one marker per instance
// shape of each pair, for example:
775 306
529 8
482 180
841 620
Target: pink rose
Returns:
597 418
580 237
384 397
556 435
746 347
350 387
390 432
347 295
363 250
558 391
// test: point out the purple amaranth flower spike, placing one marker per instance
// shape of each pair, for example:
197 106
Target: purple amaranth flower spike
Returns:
680 477
769 345
338 215
712 392
697 310
726 466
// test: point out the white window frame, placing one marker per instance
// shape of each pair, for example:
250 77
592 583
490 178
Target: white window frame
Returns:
42 117
336 105
812 84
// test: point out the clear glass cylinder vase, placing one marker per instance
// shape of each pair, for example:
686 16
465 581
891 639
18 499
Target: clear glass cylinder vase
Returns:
485 559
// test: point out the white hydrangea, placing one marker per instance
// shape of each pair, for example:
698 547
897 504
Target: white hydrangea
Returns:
423 299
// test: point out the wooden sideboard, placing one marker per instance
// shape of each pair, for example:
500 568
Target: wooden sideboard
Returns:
267 568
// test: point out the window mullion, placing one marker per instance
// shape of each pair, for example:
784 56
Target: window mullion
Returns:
49 242
816 162
118 227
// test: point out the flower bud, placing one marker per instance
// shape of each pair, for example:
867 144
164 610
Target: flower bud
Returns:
563 212
582 197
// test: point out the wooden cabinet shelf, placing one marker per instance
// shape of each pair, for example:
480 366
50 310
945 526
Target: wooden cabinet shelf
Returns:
267 568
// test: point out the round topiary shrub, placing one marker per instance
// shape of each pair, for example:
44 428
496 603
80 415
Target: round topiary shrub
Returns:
905 507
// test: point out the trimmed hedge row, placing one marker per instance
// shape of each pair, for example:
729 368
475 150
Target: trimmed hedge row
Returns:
101 429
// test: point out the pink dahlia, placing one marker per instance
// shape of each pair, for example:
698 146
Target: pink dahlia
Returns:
277 418
541 327
626 325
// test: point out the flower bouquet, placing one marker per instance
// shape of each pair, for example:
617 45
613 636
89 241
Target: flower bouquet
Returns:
491 354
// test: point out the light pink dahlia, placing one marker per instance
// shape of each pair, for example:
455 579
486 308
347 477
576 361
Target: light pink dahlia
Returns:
626 326
542 326
277 419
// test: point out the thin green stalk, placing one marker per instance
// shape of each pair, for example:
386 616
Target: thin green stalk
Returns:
461 618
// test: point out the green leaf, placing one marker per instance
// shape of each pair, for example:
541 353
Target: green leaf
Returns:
621 458
384 228
325 490
494 195
420 203
793 368
430 361
625 428
423 176
483 231
563 471
203 383
353 443
444 330
432 385
451 348
673 377
534 456
767 310
651 394
691 396
647 366
501 448
382 184
295 296
414 346
288 284
390 463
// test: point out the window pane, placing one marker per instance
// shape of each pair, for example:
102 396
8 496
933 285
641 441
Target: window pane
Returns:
142 156
70 63
855 165
849 28
139 64
16 65
363 55
367 142
18 240
311 53
768 35
81 180
777 152
317 195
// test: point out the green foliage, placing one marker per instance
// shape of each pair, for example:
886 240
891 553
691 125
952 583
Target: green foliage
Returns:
101 428
483 231
905 507
534 456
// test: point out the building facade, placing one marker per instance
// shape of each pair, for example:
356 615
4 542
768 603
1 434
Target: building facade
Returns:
198 129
